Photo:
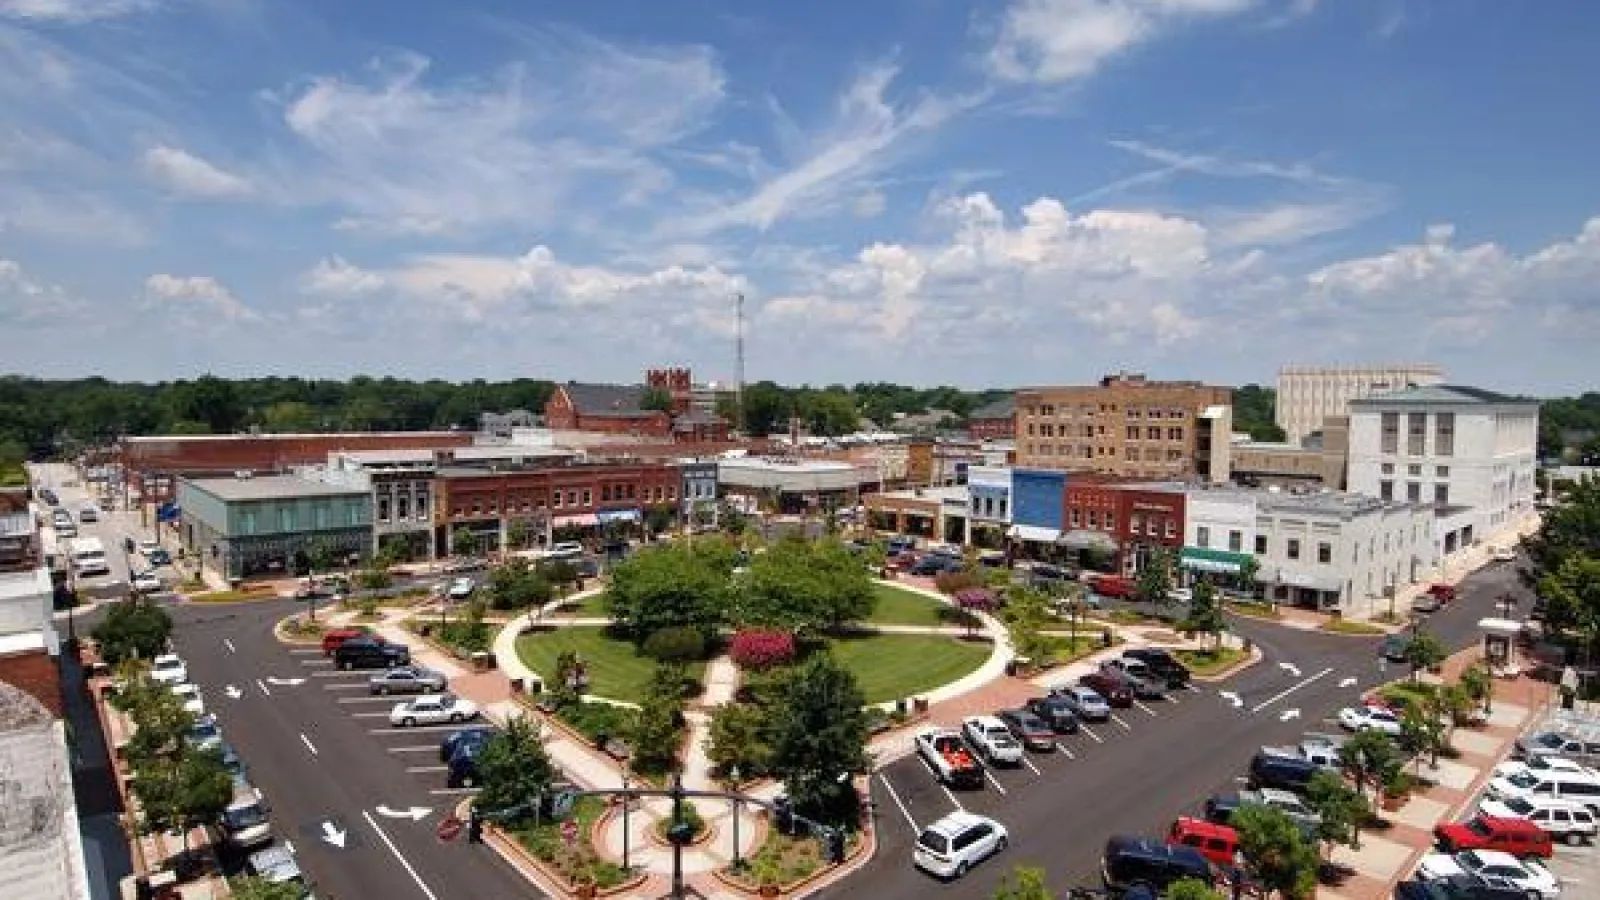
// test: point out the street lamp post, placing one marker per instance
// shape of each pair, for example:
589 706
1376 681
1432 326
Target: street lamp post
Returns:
738 863
626 830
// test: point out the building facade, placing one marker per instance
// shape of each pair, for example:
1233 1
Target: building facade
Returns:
1219 530
995 421
1451 447
618 409
1318 461
1129 522
789 485
1127 426
1339 551
547 502
989 499
245 526
30 646
1309 394
699 491
1036 498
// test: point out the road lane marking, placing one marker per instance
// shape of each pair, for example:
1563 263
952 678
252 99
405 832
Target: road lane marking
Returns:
309 746
1029 763
1097 738
1147 709
316 662
452 792
953 801
1291 689
421 885
419 748
376 699
994 781
1118 719
895 796
263 685
421 769
350 686
229 644
1063 748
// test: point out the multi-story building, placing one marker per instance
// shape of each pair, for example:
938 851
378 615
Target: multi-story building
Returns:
995 421
1128 520
1127 426
1349 552
989 495
30 647
790 485
248 525
1036 505
1317 461
1219 529
1309 394
699 490
1469 453
618 409
550 500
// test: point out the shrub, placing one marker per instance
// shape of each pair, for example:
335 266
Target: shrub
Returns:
950 583
676 644
759 649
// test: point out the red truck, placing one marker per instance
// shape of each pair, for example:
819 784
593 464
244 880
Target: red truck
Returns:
1112 586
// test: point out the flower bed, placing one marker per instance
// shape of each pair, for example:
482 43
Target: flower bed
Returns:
1209 662
578 864
786 863
248 592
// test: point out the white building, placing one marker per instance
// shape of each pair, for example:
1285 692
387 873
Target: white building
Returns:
1219 528
1330 550
1307 395
1469 453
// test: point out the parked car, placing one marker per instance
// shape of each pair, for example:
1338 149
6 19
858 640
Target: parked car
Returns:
1217 843
146 582
205 734
1085 702
1564 820
461 588
1393 648
278 865
332 638
1163 664
1289 773
932 565
1457 887
169 668
1115 690
407 680
1031 731
1137 677
1370 718
244 824
148 546
944 752
1128 861
1056 712
1426 603
992 739
365 653
1582 787
189 696
89 513
1220 809
434 709
1321 749
1553 743
1541 765
1503 554
950 847
158 557
1516 836
1532 878
466 737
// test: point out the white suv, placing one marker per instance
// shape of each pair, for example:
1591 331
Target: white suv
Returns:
992 739
1566 820
953 845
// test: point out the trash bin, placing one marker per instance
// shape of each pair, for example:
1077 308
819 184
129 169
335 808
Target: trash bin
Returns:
1105 637
900 706
480 661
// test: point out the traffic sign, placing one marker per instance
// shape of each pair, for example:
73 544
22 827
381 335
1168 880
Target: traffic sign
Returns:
569 832
449 828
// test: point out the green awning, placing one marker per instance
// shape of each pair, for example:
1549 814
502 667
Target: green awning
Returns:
1204 559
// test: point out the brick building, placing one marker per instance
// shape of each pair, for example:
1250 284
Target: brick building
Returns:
618 409
577 498
1129 521
995 421
1128 426
152 465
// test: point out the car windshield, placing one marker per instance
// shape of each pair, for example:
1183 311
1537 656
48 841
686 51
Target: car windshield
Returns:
1524 780
1479 828
244 817
163 665
1549 740
1519 806
934 841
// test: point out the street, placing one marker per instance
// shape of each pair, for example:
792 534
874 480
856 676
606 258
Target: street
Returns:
1152 762
112 527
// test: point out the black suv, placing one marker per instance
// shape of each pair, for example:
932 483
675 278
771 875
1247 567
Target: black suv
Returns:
368 653
1289 773
1131 862
1162 664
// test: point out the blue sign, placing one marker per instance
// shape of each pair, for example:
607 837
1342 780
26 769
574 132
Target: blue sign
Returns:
168 512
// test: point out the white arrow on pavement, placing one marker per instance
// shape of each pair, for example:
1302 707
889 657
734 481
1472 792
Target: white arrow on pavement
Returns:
1288 714
1347 682
233 692
415 813
1291 668
333 835
291 682
1231 697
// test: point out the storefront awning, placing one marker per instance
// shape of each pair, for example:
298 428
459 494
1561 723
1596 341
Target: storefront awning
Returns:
1083 539
583 521
1202 559
1291 578
607 516
1035 533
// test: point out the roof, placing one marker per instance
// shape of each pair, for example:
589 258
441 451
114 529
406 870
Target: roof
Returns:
41 854
1439 393
603 399
1004 408
271 487
282 436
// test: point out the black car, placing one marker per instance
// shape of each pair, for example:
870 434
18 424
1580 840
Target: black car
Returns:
1162 663
1030 730
1132 861
455 740
1289 773
935 564
1219 810
367 653
1456 887
1056 712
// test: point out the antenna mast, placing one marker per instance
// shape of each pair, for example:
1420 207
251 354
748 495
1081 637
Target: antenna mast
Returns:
738 352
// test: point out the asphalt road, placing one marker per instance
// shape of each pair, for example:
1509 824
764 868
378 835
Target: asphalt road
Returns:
326 759
110 528
1156 763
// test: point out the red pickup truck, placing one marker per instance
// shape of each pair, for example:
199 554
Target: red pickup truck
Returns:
1112 586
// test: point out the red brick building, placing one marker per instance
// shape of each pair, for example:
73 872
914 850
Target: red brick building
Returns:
578 496
995 421
152 465
618 409
1137 518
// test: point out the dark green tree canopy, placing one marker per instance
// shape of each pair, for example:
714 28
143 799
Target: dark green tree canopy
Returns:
133 628
804 586
818 734
672 586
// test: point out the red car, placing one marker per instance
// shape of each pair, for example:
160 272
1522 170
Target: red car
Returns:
1218 843
1444 593
1112 586
332 639
1518 837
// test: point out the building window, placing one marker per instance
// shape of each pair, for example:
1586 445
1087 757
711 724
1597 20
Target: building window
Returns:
1324 552
572 498
402 506
1131 452
1391 433
1171 530
1153 433
1441 471
1133 432
1444 434
1386 490
1136 524
1293 548
1111 521
1416 434
1174 434
1387 468
1002 508
1261 545
588 496
1441 495
605 493
976 502
1030 429
1094 519
1235 541
1076 519
383 509
422 507
494 505
1413 492
1202 537
1414 470
672 492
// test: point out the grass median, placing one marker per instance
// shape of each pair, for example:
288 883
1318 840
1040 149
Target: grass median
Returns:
898 606
615 668
1211 660
891 666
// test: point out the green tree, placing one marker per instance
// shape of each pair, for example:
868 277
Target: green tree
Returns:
463 542
214 401
1275 851
319 558
819 732
562 575
1192 889
133 628
805 586
156 710
518 532
657 729
513 769
1249 567
738 739
184 794
1572 597
656 399
675 585
516 585
1367 758
1205 612
1422 728
1024 883
290 417
1027 614
1425 651
1343 810
1155 579
1479 685
251 887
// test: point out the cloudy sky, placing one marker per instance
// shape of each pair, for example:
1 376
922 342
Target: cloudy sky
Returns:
923 191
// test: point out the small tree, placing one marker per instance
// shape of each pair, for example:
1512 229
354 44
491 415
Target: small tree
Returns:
1479 685
1367 758
133 628
516 585
657 729
518 533
463 542
1249 567
252 887
819 733
159 717
562 575
1024 883
738 739
1422 728
1192 889
513 769
1275 851
1424 651
1342 809
1155 580
319 557
1205 613
182 794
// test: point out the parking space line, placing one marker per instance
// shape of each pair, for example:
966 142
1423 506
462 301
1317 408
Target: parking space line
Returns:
307 741
350 686
304 651
366 700
953 801
995 781
380 714
1029 763
415 729
342 673
419 748
452 792
421 769
895 796
1147 709
1090 732
1118 719
1172 697
316 662
1063 748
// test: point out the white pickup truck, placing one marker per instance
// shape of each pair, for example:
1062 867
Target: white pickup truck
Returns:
991 738
947 755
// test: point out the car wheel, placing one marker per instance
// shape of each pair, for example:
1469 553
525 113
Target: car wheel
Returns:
1574 838
454 718
408 722
961 869
467 781
344 665
1000 845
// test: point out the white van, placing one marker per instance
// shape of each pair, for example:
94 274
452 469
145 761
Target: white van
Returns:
89 557
1581 787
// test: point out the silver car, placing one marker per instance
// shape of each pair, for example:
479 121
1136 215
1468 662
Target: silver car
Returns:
407 680
1085 703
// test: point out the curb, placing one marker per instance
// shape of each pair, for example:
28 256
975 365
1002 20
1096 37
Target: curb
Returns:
1255 657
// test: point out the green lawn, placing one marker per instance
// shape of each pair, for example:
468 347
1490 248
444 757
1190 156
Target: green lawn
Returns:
590 607
1209 661
615 669
891 666
898 606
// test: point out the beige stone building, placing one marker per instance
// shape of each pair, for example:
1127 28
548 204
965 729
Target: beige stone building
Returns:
1127 425
1318 462
1309 394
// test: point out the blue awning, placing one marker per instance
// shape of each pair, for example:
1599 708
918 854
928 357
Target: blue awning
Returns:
607 516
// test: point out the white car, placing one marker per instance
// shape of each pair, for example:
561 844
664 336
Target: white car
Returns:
1530 876
1180 595
169 668
148 546
1539 765
190 695
992 739
146 582
436 709
1566 820
565 547
461 588
1370 718
1503 554
950 847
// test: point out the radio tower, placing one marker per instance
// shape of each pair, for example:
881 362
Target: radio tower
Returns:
738 362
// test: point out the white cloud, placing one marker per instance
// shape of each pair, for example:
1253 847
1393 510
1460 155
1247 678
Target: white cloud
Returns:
25 301
67 215
73 11
1175 161
1289 223
870 205
184 173
1058 41
201 294
333 277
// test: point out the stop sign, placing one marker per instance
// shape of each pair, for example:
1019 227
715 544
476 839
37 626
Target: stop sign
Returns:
449 828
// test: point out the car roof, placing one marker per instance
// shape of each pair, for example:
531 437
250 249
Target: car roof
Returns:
1278 794
958 821
985 721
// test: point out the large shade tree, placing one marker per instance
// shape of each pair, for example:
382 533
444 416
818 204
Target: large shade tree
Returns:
805 586
819 738
672 586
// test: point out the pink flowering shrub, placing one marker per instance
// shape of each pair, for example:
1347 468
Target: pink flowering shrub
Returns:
758 649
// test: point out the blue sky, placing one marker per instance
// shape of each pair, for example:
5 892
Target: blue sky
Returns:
924 191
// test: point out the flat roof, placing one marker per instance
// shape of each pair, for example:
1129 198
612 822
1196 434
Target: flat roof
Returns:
271 487
286 436
468 453
34 582
786 465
